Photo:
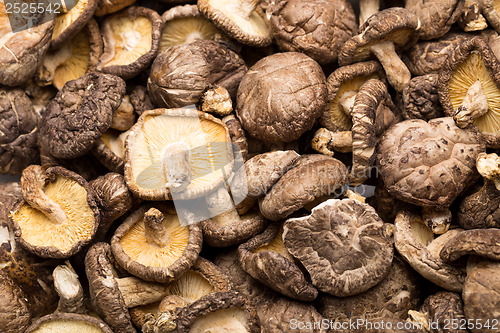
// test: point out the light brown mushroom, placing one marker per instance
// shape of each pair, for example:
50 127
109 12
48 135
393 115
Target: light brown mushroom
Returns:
69 322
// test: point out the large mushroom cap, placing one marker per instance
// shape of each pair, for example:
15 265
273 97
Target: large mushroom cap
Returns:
15 313
428 164
204 138
343 245
70 323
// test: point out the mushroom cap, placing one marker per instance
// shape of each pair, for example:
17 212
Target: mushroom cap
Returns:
19 128
266 258
15 314
471 61
110 150
491 10
317 28
69 322
139 97
40 236
105 7
281 96
314 176
211 158
444 306
414 241
151 262
343 245
428 164
226 311
131 41
421 98
345 79
80 113
22 51
250 29
394 24
480 209
70 23
171 87
428 57
436 17
481 242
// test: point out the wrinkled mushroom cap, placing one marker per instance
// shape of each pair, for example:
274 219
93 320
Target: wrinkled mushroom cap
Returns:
15 313
491 10
428 164
480 209
69 322
421 98
442 307
480 242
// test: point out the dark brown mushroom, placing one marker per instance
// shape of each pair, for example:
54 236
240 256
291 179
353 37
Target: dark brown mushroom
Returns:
479 242
238 137
124 116
109 149
14 309
139 97
105 7
421 98
471 18
69 322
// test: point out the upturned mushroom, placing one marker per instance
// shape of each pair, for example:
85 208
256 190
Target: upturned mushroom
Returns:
69 322
383 33
105 7
109 149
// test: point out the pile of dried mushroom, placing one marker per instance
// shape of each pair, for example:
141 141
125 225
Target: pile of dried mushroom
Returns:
251 166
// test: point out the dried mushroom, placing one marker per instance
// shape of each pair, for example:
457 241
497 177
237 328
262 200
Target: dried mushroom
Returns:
314 176
316 28
217 100
69 289
472 19
131 41
71 22
69 322
139 97
266 259
428 163
14 307
180 75
181 152
469 85
242 20
105 7
343 245
421 98
21 52
59 214
124 116
73 59
383 33
238 136
491 10
110 150
18 131
80 113
480 242
293 86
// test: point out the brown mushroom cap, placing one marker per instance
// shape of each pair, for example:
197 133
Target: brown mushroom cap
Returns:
491 10
131 41
480 209
314 176
481 242
316 28
203 63
69 322
281 96
19 128
242 20
444 307
139 97
421 98
343 245
80 113
266 258
110 150
15 314
436 17
428 164
70 23
105 7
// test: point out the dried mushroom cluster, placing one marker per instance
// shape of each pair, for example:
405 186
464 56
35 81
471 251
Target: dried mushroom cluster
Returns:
251 166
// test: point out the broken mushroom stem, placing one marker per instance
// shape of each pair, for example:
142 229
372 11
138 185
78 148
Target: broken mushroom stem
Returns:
474 105
472 19
397 73
136 292
350 194
367 8
155 231
69 289
326 141
488 166
33 181
346 102
217 100
221 206
437 219
175 166
166 321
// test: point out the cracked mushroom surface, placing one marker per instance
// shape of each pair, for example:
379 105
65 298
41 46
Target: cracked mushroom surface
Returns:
421 98
281 96
152 245
343 245
181 74
80 113
131 40
316 28
69 322
18 131
428 163
59 214
383 33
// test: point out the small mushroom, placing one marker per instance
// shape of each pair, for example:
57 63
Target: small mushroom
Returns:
472 19
105 7
69 322
380 35
180 74
59 214
421 98
111 296
437 219
152 245
343 245
479 242
131 41
80 113
266 259
124 116
316 28
281 96
242 20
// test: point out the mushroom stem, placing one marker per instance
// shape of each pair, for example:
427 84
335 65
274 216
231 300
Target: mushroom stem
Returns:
355 196
437 219
136 292
221 207
248 6
326 142
367 8
346 101
69 289
472 19
488 166
32 183
155 231
175 166
217 100
397 73
474 105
